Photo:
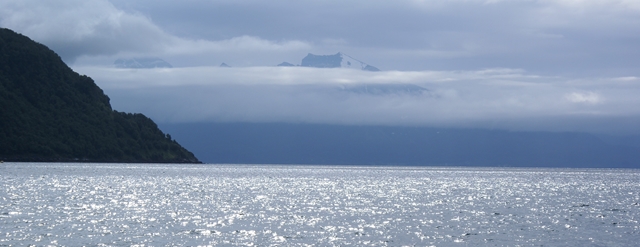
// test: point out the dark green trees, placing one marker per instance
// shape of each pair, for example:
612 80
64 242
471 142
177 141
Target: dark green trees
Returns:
50 113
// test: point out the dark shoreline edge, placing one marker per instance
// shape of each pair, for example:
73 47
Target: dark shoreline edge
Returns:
66 160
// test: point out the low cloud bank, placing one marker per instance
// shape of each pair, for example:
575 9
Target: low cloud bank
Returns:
495 98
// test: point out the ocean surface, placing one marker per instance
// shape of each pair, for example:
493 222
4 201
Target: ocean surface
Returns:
52 204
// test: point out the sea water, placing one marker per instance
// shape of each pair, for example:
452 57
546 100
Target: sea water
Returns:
52 204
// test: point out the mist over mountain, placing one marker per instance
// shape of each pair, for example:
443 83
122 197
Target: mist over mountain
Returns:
51 113
386 89
142 63
338 60
285 64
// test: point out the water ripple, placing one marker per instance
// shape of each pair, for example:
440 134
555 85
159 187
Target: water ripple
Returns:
241 205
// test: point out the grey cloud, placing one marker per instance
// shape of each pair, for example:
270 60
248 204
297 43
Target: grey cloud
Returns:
499 98
75 27
78 28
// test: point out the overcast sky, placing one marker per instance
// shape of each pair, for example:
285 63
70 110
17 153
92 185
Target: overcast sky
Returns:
551 65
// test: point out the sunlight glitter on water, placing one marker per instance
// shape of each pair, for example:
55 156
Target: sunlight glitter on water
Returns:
242 205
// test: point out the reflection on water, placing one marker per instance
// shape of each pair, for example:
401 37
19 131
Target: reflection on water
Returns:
240 205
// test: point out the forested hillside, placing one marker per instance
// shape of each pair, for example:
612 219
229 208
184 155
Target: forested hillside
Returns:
48 112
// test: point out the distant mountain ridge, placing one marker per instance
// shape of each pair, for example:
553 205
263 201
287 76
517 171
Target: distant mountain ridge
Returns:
52 114
338 60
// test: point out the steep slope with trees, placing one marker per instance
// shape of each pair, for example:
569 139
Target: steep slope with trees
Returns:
48 112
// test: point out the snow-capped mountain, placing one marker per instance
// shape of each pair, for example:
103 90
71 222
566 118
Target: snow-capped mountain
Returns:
142 63
338 60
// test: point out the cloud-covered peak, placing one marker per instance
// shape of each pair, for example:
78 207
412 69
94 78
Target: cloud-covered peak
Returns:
338 60
285 64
